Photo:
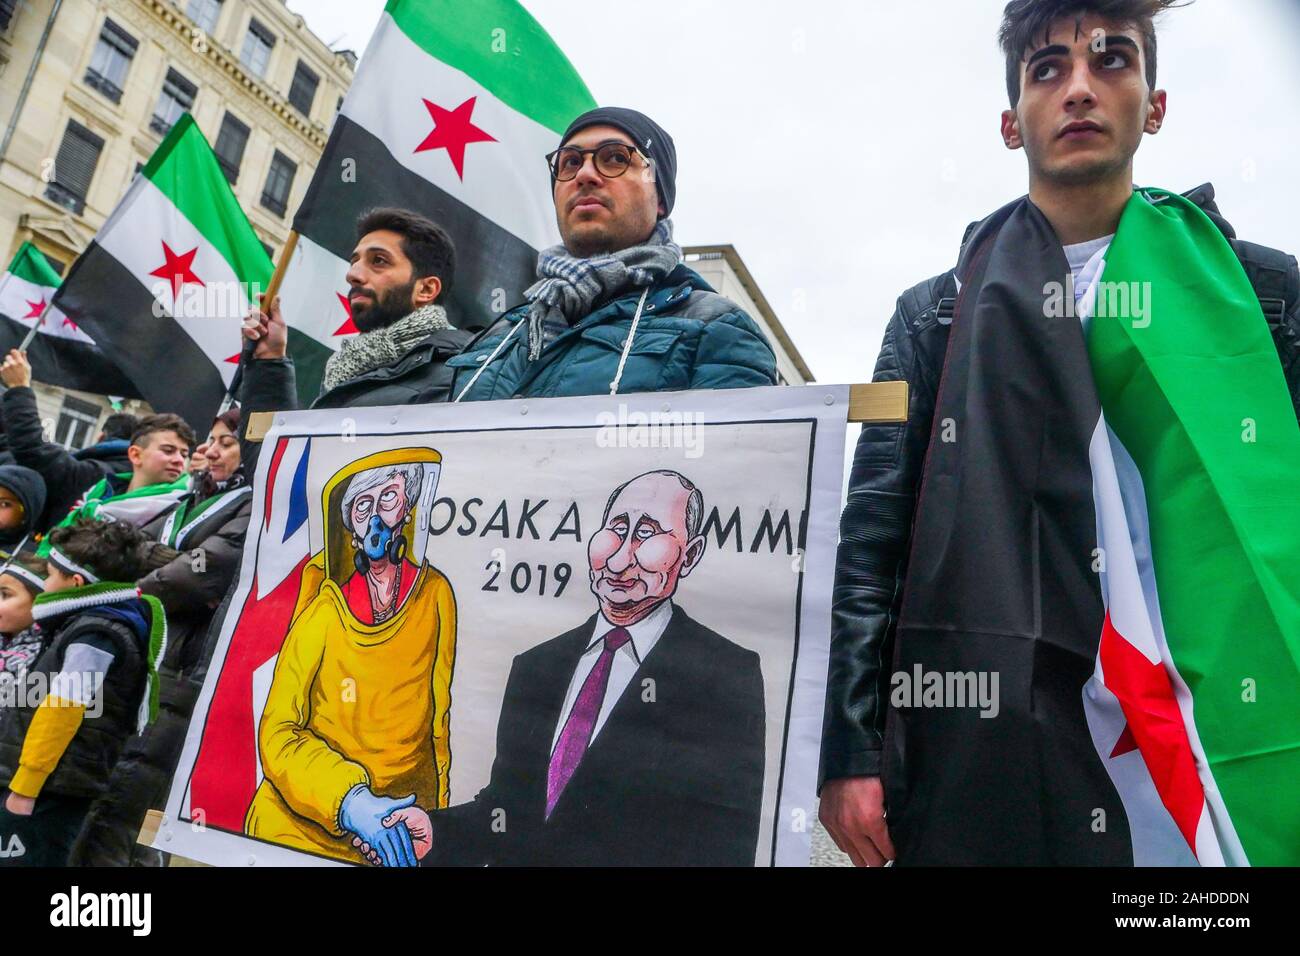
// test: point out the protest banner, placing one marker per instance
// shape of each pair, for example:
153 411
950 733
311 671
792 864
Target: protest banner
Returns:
587 631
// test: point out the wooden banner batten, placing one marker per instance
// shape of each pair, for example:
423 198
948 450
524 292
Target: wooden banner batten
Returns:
875 403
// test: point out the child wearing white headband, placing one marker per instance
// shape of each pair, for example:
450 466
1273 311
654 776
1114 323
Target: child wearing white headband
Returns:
98 670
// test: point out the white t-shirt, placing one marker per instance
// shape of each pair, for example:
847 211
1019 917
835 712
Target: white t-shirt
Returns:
1079 256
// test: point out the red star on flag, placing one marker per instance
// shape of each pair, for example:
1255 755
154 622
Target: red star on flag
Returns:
68 321
178 269
453 131
1155 727
349 327
1126 743
36 309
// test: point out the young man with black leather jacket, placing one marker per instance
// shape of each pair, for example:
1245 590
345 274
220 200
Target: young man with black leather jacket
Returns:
1081 80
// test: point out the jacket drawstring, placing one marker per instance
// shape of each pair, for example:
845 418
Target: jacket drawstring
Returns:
627 346
622 359
490 359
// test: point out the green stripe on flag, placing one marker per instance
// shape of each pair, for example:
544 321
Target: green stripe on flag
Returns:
30 265
185 170
501 46
1194 390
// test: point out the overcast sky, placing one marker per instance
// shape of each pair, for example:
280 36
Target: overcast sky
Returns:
842 146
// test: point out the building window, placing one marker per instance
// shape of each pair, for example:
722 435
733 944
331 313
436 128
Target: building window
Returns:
77 424
230 147
204 13
275 195
7 8
177 98
256 52
111 60
303 91
74 167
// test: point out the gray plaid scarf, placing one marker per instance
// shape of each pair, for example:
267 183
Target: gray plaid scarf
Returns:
568 288
379 347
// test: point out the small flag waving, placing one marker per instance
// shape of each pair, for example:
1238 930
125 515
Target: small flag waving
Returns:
60 354
165 283
451 114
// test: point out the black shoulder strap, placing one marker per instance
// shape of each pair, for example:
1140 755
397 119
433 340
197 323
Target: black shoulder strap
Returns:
1273 275
937 295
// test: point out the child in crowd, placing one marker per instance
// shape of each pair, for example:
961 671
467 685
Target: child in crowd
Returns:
21 580
22 499
98 668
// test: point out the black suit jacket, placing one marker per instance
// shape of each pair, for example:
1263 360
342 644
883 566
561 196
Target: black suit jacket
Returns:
676 779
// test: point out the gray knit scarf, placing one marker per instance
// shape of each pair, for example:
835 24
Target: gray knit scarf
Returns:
568 288
379 347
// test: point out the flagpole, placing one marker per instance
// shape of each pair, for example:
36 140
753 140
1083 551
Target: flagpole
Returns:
272 290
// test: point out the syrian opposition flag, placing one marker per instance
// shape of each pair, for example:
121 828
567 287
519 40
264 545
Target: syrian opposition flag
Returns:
1194 705
451 114
60 354
228 770
164 285
1105 557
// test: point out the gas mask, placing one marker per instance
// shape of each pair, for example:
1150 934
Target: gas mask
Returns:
380 542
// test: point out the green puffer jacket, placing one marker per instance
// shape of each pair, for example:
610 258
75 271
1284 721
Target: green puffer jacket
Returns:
688 337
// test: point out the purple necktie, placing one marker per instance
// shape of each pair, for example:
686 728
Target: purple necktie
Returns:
576 735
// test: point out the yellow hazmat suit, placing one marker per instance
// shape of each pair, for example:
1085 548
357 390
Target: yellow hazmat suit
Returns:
353 703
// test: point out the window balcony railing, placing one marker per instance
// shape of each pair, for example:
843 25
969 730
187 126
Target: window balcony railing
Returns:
96 81
66 198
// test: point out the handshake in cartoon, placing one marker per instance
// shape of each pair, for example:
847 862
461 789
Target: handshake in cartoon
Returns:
388 832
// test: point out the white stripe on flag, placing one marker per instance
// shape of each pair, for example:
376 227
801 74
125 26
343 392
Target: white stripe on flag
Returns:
210 314
278 549
19 296
506 181
1128 587
262 678
309 296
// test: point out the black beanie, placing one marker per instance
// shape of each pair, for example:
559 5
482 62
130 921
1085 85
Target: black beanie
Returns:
648 136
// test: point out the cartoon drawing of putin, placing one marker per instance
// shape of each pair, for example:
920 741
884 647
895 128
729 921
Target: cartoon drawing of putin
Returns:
356 723
636 738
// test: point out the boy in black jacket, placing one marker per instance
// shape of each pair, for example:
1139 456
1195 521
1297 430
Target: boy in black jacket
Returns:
94 686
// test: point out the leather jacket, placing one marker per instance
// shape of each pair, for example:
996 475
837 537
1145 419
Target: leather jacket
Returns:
876 525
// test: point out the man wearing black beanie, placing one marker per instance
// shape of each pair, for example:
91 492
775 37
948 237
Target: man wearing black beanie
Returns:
614 309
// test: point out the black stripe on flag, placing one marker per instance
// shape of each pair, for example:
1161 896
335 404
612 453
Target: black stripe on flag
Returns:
67 363
488 257
170 370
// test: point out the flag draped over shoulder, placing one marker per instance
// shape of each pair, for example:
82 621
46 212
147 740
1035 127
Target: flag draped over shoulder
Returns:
1205 450
1104 526
451 114
60 353
165 283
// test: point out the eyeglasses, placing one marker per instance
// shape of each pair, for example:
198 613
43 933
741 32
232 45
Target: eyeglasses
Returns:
611 160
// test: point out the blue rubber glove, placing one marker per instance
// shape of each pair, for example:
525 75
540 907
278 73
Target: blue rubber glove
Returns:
362 813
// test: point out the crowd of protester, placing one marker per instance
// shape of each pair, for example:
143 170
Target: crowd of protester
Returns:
116 558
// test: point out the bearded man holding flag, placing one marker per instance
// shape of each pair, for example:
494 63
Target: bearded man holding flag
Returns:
1093 499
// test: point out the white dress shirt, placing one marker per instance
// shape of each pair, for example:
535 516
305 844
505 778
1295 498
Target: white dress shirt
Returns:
645 635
